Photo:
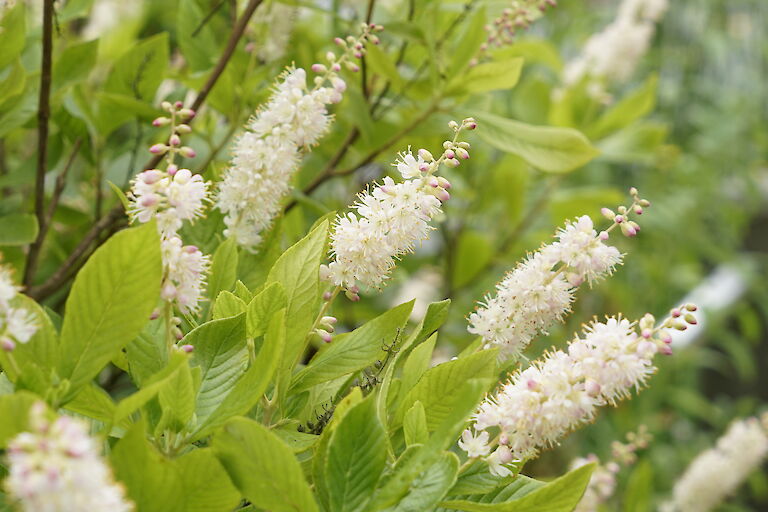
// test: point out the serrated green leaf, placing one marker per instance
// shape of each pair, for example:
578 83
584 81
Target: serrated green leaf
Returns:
223 269
263 467
415 425
13 84
261 308
222 355
13 31
468 43
110 302
438 388
139 71
487 77
548 148
298 271
357 454
228 304
74 63
199 48
207 486
147 354
93 402
18 229
353 351
177 399
560 495
430 486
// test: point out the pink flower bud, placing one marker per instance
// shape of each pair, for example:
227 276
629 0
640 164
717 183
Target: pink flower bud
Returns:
471 125
183 128
339 84
187 348
327 296
532 385
352 296
424 167
174 140
172 169
149 200
336 67
608 213
666 350
462 153
161 121
187 113
168 291
318 68
166 105
7 344
592 388
158 149
505 454
639 210
151 177
178 104
432 182
452 162
646 333
324 335
187 152
352 67
155 315
426 155
690 319
339 41
190 249
444 183
329 320
675 313
442 195
691 307
603 236
628 229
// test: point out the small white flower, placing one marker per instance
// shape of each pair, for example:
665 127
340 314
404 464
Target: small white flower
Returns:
475 446
17 325
185 269
498 462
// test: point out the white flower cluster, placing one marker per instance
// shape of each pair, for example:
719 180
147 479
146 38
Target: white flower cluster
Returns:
173 196
390 219
718 472
57 468
17 325
266 157
552 397
539 291
612 55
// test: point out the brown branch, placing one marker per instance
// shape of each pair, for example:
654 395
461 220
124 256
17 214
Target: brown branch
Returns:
43 114
73 262
61 181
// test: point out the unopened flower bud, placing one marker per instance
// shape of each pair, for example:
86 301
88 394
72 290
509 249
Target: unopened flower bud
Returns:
453 125
691 307
327 296
690 319
452 162
449 153
462 153
7 344
339 41
174 140
324 335
183 129
166 106
187 152
442 195
352 66
608 213
187 348
329 320
644 203
638 209
424 167
158 149
592 388
352 296
161 121
336 67
444 183
172 169
675 313
471 125
155 314
426 155
633 191
151 176
168 291
433 182
665 337
505 454
666 350
603 236
318 68
178 104
635 225
622 210
187 113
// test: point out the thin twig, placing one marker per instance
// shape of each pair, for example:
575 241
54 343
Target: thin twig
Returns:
208 17
61 181
43 114
70 266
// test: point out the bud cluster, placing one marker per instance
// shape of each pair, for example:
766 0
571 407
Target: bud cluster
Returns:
622 215
392 217
517 17
17 325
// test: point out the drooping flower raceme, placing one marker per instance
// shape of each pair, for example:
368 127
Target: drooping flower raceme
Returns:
518 16
553 396
17 325
539 291
718 472
391 218
613 54
267 155
56 467
172 196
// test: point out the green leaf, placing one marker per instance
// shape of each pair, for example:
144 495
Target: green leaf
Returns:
352 351
199 49
637 143
14 411
487 77
207 486
222 355
74 63
42 348
637 497
533 51
478 479
262 307
418 362
473 252
93 402
629 109
298 271
139 71
431 486
110 302
297 441
357 454
439 388
263 467
13 31
381 64
13 84
147 354
18 229
560 495
548 148
228 304
415 425
242 292
152 482
177 400
468 43
223 269
249 388
117 109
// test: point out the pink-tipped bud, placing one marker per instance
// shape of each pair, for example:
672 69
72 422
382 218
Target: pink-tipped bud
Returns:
327 296
331 320
178 104
149 200
166 106
603 236
503 439
324 335
426 155
444 183
172 169
335 67
618 219
644 203
675 313
505 454
319 68
161 121
632 191
187 152
638 209
462 153
452 162
691 307
352 66
354 288
665 337
442 195
532 385
666 350
352 296
174 140
646 333
151 176
330 56
338 84
592 388
432 182
7 344
168 292
635 225
187 348
187 113
628 229
183 129
471 125
424 167
339 41
608 214
690 319
155 315
190 249
158 149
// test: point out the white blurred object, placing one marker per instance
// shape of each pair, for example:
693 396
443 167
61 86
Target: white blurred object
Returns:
721 289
